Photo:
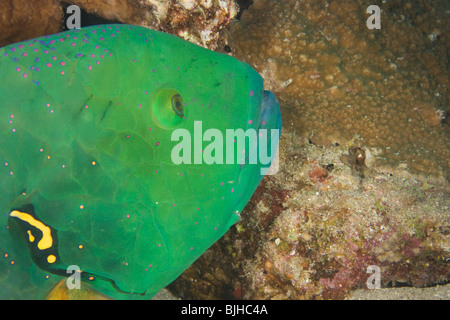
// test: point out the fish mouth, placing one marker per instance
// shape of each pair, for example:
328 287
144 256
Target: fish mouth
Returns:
270 117
269 128
268 131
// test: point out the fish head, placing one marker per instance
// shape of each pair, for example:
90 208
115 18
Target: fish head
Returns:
135 151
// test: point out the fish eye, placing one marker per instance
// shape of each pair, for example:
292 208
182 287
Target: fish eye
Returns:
168 109
177 105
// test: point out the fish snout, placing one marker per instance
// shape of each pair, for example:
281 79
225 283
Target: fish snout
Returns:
270 117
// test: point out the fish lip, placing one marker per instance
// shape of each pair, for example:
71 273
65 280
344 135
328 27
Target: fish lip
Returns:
269 119
269 106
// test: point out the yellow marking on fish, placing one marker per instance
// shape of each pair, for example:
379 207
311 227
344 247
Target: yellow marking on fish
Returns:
47 240
30 236
51 259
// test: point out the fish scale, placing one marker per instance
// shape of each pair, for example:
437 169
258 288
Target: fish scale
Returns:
86 122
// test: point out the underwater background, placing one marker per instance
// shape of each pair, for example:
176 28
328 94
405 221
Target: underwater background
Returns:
365 151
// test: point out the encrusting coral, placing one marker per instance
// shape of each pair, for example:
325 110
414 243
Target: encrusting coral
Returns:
19 21
312 231
336 78
197 21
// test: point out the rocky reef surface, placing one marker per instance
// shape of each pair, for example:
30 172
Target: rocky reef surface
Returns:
312 230
198 21
336 78
23 19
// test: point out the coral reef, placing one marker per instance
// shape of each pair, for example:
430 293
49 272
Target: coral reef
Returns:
195 20
312 230
336 78
198 21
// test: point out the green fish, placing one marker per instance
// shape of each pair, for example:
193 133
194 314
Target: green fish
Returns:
116 158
